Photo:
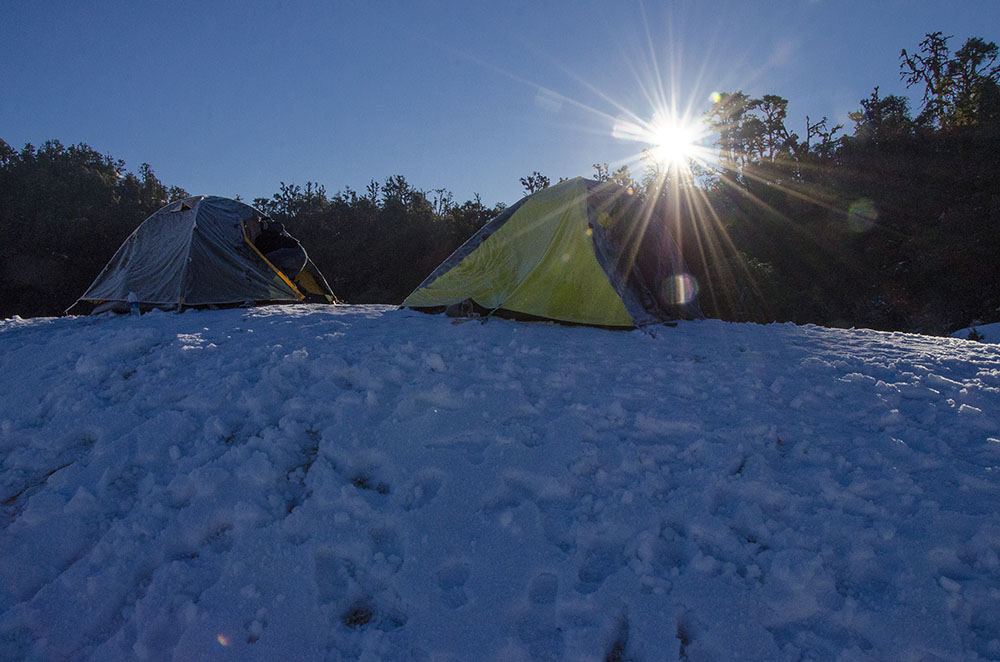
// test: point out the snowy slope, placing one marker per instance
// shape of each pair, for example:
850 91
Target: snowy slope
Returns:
985 332
321 483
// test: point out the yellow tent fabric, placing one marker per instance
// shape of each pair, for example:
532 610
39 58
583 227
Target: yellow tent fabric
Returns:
540 262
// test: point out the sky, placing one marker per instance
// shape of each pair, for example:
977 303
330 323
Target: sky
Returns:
233 98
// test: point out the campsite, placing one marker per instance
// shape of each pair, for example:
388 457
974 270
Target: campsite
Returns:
570 463
503 332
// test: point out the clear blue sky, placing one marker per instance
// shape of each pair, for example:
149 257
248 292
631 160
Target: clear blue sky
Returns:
231 98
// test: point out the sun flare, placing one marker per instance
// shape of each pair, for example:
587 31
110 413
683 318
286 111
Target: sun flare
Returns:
675 142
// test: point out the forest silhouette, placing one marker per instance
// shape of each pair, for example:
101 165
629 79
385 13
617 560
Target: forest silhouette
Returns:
893 226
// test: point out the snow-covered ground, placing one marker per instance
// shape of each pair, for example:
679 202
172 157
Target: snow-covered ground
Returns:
344 483
984 332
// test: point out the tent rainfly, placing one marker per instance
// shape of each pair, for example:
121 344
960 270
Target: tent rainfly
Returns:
581 252
206 251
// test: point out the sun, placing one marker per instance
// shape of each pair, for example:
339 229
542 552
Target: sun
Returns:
674 141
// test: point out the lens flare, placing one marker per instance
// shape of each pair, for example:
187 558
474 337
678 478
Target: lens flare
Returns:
222 639
680 289
861 215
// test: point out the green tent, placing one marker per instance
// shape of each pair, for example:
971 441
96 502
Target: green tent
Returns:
206 251
581 251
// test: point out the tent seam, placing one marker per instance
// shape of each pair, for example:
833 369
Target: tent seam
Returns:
187 255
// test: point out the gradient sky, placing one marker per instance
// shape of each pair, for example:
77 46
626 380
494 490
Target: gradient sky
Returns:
231 98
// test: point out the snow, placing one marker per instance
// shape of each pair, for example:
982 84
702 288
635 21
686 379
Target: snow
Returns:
365 483
986 332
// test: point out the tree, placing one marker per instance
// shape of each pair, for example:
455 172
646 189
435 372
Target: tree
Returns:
7 153
622 176
376 247
293 200
955 87
929 66
827 145
737 141
536 181
975 74
63 213
882 118
752 132
775 140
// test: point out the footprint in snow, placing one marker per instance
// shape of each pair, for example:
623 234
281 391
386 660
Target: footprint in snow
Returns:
599 563
451 579
367 613
387 545
256 626
332 573
470 445
542 636
543 589
422 490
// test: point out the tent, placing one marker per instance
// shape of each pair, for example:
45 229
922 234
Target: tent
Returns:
581 252
206 251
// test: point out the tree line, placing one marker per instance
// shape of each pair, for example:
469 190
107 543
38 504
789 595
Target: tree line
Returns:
63 213
376 246
895 225
65 210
